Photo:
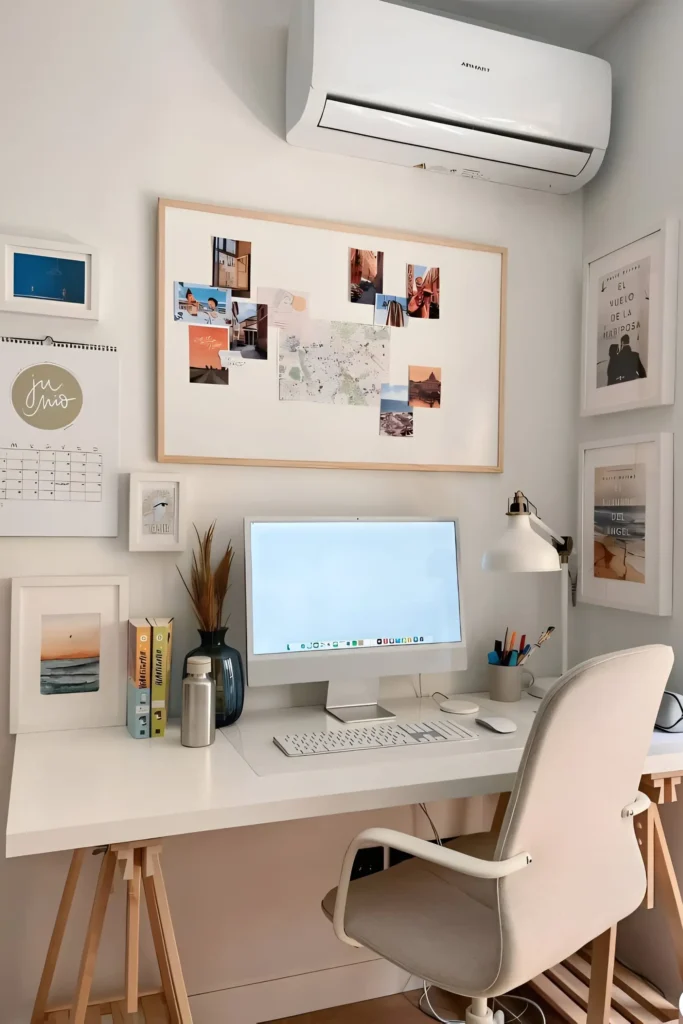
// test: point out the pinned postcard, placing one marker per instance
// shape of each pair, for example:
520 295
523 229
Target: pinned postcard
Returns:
424 387
284 307
232 266
200 304
366 275
206 344
395 413
391 311
422 285
249 329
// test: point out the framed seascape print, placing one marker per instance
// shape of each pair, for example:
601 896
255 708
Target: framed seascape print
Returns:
68 652
52 278
626 523
629 324
157 513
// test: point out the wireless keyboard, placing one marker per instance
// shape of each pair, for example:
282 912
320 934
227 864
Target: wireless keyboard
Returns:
370 737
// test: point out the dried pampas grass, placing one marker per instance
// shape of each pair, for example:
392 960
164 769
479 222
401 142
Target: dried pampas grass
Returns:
208 589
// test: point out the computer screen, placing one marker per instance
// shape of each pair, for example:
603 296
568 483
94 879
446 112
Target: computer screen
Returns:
330 585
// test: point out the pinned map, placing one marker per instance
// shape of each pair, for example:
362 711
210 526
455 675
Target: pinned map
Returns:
333 362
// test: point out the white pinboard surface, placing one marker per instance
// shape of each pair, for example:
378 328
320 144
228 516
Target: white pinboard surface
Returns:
246 422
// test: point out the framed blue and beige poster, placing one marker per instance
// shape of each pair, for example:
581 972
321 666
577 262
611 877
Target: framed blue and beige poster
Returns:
48 277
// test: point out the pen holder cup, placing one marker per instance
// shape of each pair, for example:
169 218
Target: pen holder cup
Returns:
505 683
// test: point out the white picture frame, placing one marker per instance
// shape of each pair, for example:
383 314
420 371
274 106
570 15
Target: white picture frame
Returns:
627 485
162 527
52 618
46 254
630 290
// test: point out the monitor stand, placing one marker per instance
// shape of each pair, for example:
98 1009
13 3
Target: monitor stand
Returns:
355 702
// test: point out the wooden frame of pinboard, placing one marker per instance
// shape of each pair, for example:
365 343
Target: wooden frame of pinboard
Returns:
164 456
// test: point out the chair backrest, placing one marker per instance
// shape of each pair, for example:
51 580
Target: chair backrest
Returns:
581 766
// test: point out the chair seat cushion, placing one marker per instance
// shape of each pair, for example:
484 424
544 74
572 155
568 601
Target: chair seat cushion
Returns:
419 917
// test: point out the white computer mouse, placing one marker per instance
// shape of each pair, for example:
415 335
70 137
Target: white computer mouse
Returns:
496 724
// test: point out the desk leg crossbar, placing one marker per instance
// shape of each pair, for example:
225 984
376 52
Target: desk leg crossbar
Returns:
591 987
141 868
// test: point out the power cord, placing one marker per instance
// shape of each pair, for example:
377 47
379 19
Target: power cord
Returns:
437 837
431 1012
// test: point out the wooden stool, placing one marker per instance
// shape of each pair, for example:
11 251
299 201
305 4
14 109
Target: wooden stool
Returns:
589 987
141 867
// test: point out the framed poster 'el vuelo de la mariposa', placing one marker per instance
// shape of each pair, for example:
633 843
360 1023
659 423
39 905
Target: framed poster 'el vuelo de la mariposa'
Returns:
284 341
629 324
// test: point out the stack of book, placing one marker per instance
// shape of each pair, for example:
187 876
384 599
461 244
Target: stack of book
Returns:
149 676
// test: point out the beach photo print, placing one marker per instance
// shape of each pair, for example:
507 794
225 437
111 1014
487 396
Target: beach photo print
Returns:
70 653
395 414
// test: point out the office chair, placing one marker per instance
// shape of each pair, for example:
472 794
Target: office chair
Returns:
487 912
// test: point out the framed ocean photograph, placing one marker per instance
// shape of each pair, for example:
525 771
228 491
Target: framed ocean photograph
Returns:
629 324
156 512
626 523
67 653
48 277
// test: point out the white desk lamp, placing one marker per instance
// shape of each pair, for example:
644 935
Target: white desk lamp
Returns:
520 549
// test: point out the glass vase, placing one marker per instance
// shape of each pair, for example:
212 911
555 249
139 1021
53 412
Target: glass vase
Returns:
227 671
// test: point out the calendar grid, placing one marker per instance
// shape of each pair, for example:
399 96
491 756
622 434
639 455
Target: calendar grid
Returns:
61 474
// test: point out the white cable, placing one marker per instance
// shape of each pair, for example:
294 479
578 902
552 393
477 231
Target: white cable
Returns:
432 1012
529 1002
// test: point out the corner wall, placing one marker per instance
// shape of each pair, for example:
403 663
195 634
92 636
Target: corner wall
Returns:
640 184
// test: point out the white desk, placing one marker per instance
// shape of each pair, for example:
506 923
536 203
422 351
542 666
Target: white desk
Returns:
83 788
72 790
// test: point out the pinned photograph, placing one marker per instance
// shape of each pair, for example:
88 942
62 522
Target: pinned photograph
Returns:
206 344
366 275
619 523
232 266
70 653
424 388
623 322
391 311
209 375
249 329
199 304
395 413
422 286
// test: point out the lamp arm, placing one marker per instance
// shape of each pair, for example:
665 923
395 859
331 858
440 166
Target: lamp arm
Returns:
546 529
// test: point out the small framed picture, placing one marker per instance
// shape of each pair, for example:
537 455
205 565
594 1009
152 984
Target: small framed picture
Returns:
626 523
629 324
52 278
157 513
68 652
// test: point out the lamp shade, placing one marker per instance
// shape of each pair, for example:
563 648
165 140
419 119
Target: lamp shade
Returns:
521 549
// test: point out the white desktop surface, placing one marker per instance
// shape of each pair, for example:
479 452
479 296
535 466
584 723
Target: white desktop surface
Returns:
92 786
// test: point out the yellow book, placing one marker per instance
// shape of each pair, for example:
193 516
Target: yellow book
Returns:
161 651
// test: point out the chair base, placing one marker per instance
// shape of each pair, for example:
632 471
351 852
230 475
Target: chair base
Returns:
478 1012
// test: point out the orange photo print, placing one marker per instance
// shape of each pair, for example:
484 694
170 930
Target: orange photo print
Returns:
424 387
206 344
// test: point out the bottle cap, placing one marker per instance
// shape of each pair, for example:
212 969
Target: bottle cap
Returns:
198 665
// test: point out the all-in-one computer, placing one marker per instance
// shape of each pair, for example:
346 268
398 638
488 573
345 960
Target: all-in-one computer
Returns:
348 601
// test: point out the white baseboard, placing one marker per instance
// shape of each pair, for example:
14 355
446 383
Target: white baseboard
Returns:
303 993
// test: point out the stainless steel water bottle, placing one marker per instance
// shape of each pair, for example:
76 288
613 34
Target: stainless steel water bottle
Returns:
198 721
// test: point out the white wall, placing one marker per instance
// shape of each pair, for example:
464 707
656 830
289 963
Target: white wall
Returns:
640 184
107 106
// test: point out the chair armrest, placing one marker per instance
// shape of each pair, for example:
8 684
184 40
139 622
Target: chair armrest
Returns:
637 806
475 867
